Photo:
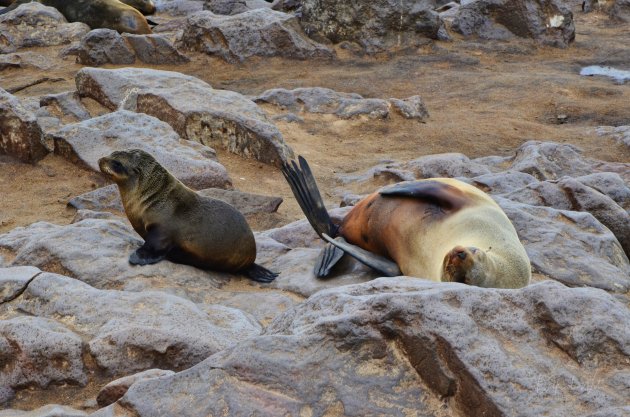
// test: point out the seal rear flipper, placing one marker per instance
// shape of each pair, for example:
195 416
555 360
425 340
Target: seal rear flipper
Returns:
383 265
328 257
434 192
258 273
304 187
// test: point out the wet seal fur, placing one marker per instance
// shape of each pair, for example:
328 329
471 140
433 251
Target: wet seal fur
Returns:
178 224
108 14
439 228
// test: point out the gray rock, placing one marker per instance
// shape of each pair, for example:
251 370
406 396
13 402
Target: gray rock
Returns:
24 60
34 24
179 7
620 133
258 32
13 282
551 161
401 346
570 194
51 410
111 392
502 182
194 109
232 7
570 247
87 141
548 21
130 331
104 46
20 135
411 108
375 24
263 306
38 351
620 10
7 43
155 50
108 198
610 184
67 105
325 101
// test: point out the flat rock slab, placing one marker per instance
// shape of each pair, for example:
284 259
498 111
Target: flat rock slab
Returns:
13 281
548 21
193 108
25 60
20 135
111 392
108 198
402 346
106 46
87 141
325 101
34 24
131 331
258 32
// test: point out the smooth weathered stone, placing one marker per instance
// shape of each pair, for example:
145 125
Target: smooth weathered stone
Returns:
402 346
551 161
232 7
108 198
88 141
24 60
326 101
104 46
67 105
38 351
570 247
610 184
375 25
194 109
13 281
154 49
259 32
20 135
548 21
51 410
620 133
411 108
34 24
134 331
111 392
570 194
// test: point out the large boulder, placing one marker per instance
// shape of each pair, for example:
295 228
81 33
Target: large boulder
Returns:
548 21
20 135
34 24
106 46
87 141
401 346
259 32
375 24
193 108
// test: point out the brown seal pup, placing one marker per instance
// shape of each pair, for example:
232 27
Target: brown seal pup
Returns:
440 228
108 14
178 224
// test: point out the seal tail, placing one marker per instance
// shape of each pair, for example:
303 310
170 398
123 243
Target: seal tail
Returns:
258 273
304 187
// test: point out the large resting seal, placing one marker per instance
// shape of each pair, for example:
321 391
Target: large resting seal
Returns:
178 224
439 228
108 14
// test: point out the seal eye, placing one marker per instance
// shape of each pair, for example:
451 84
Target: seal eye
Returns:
461 255
118 167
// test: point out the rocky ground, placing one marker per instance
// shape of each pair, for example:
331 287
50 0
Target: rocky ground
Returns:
221 94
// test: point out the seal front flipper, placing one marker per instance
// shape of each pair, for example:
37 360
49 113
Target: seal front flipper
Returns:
258 273
155 248
304 187
437 193
383 265
328 257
